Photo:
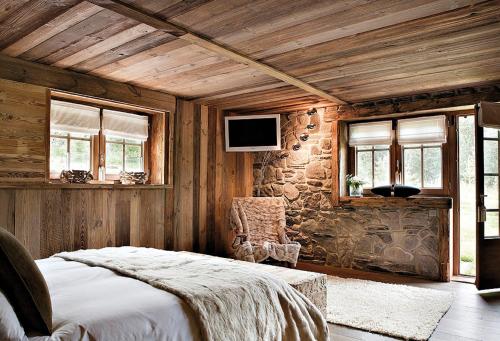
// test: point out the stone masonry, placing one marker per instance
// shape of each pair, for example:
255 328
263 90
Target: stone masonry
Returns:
400 240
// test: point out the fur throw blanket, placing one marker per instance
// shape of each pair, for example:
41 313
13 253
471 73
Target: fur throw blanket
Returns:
259 224
230 301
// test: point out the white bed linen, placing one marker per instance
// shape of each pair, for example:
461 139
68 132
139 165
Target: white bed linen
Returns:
94 303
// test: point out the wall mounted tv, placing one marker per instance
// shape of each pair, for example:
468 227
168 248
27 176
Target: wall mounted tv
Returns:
253 133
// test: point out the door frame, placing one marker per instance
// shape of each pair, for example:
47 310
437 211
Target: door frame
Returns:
455 189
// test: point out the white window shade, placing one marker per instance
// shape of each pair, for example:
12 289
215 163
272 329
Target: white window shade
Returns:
371 133
74 118
489 115
124 125
422 130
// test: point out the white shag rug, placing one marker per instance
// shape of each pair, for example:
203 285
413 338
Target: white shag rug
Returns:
397 310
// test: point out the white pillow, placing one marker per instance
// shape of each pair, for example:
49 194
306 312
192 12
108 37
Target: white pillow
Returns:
10 327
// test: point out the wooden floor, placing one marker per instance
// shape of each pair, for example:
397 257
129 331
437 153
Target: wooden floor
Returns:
472 316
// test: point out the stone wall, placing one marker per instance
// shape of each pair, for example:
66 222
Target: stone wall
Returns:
401 240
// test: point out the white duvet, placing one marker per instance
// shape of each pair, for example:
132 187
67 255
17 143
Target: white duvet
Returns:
94 303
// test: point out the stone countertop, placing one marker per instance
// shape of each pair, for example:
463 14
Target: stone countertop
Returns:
416 201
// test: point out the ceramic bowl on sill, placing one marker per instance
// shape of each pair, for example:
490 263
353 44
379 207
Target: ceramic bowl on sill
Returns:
401 191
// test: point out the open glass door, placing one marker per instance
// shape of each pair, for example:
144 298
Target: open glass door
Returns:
487 201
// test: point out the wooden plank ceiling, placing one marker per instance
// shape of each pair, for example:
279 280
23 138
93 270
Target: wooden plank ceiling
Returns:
352 50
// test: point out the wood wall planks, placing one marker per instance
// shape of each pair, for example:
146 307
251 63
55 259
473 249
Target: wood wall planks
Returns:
206 180
52 218
47 221
184 176
23 114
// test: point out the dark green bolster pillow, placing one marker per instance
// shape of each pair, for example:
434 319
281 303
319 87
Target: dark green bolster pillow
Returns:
24 286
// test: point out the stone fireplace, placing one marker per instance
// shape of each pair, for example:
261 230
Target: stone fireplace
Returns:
386 237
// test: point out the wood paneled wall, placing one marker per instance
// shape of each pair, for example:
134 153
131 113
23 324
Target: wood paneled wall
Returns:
206 179
47 221
193 214
23 125
49 218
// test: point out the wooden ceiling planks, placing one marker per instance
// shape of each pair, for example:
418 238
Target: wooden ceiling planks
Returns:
358 50
133 47
67 19
195 38
86 33
111 42
8 7
351 20
29 16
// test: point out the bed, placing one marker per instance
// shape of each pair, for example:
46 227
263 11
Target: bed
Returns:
97 295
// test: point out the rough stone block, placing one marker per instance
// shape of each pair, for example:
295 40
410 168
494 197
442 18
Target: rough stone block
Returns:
312 201
298 159
314 170
291 192
326 144
315 150
269 175
277 190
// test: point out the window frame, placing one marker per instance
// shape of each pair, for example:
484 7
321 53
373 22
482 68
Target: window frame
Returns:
421 147
497 175
372 152
123 143
69 138
396 157
98 142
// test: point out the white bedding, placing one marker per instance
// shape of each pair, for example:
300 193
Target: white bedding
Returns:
93 303
230 301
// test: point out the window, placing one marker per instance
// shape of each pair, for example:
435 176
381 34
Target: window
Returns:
422 165
421 139
491 181
70 151
372 148
84 137
414 157
124 155
373 165
125 135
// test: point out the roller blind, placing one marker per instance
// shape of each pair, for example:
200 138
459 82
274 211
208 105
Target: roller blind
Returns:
432 129
489 115
74 118
371 133
124 125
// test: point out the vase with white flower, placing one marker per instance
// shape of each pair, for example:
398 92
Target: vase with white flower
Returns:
355 185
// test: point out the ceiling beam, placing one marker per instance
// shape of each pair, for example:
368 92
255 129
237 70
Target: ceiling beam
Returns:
438 101
19 70
207 43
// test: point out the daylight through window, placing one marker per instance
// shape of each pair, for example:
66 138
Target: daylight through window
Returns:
413 156
84 137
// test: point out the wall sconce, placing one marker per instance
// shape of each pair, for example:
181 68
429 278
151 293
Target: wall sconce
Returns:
305 135
312 111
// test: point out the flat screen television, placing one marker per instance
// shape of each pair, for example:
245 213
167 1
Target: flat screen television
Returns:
253 133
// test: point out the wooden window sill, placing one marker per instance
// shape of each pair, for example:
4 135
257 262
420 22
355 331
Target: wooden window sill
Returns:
54 185
415 201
